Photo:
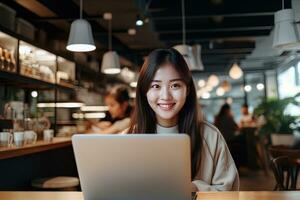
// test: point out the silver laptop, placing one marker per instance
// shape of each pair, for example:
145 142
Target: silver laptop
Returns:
134 167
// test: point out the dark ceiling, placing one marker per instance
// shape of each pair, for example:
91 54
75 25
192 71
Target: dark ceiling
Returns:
226 29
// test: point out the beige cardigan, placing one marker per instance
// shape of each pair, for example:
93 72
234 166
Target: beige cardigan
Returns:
217 170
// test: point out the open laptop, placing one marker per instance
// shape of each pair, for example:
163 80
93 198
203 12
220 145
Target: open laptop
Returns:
134 167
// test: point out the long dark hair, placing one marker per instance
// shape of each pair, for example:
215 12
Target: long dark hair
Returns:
224 110
190 121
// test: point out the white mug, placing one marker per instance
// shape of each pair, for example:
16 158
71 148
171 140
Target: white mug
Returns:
6 139
30 137
19 139
48 135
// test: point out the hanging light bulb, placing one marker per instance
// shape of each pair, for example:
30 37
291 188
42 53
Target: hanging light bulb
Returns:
110 61
201 83
213 80
226 86
139 21
220 91
235 71
81 37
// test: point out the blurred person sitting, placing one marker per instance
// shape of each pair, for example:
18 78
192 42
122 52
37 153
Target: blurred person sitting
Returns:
247 120
225 123
117 118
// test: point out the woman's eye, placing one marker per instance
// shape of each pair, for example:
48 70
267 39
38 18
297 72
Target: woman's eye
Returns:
175 85
155 86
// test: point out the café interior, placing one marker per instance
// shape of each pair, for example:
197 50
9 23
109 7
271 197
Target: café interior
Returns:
243 55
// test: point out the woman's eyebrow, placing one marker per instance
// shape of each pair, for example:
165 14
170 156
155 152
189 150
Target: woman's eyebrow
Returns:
172 80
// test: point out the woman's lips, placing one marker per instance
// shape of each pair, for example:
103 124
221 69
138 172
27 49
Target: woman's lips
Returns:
166 106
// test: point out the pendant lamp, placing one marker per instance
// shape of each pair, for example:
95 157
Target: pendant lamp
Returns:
110 61
235 71
190 54
285 35
81 37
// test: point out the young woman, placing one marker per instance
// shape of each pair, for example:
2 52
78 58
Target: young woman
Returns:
166 102
117 118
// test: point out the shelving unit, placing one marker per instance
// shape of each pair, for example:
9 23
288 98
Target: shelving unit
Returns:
27 66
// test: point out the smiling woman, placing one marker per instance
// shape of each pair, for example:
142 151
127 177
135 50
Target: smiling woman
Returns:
166 102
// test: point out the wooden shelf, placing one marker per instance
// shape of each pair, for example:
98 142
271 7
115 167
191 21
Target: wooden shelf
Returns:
39 146
14 79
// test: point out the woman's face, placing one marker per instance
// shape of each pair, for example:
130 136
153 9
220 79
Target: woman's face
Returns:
166 95
115 108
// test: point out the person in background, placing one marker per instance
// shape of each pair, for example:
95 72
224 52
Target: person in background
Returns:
225 123
166 102
117 117
247 119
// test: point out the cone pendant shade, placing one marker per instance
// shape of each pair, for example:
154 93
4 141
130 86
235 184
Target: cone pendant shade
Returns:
284 33
110 63
81 37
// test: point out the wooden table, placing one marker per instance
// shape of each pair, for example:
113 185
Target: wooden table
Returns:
39 146
293 195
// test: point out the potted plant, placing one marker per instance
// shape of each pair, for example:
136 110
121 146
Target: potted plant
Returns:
276 123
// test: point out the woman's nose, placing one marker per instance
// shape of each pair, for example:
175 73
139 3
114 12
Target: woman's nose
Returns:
165 93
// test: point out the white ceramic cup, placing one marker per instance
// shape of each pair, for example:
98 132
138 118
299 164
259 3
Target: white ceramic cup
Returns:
48 135
6 139
19 139
30 137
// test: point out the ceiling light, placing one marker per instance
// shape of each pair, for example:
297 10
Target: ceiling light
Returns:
201 83
213 80
205 95
260 86
226 86
192 55
139 21
220 91
81 37
94 108
110 61
247 88
34 94
60 105
285 35
235 71
131 31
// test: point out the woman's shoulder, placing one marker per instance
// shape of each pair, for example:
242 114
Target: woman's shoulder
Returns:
211 134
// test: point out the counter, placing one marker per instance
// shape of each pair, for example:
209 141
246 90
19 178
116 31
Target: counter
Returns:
290 195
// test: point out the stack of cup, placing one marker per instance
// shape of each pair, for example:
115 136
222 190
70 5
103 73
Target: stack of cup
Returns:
19 139
48 135
6 139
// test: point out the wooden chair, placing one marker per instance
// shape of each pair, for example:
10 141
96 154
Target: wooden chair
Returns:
285 171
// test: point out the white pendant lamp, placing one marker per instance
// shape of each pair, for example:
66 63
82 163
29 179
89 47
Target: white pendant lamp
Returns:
192 55
110 61
285 35
81 37
235 71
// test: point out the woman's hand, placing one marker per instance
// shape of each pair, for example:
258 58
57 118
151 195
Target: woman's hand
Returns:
194 187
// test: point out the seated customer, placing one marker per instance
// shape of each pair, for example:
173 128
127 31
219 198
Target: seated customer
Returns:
225 123
247 120
118 115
